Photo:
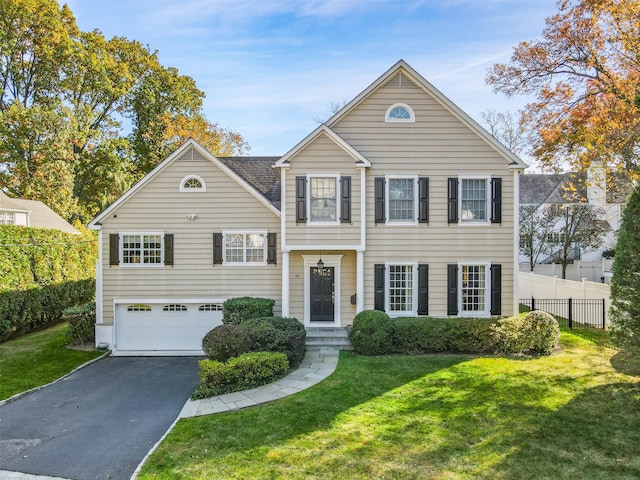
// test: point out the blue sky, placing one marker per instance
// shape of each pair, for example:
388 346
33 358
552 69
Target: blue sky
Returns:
272 68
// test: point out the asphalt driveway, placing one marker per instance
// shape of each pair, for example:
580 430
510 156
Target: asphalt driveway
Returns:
98 423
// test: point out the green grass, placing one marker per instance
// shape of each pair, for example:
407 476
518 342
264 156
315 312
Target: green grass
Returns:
37 359
570 415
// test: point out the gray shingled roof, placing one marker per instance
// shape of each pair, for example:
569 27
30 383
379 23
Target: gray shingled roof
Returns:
259 173
568 187
40 215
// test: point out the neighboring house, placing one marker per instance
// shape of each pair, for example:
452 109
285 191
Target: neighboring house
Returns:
31 213
399 202
606 191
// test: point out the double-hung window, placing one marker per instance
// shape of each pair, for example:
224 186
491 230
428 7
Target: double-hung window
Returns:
474 199
141 249
7 218
323 204
401 293
401 204
474 283
245 247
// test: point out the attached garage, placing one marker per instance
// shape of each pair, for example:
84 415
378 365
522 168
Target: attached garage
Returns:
170 327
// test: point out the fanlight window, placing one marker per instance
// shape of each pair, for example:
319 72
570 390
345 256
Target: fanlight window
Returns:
192 183
399 112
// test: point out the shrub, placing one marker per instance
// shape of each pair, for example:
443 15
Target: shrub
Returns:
82 323
235 310
277 334
42 272
372 333
532 333
416 335
225 342
249 370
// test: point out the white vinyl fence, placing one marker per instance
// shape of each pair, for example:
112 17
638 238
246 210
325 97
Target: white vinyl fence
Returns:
587 297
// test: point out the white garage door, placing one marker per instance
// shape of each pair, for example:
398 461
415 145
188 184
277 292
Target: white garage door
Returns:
171 327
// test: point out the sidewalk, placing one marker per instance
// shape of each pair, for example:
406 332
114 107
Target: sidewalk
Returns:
316 366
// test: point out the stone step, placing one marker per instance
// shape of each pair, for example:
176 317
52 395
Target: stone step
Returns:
330 337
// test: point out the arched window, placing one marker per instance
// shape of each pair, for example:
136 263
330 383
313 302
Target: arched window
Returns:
399 112
192 183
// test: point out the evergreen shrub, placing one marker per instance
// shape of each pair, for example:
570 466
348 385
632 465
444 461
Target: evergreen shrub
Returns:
235 310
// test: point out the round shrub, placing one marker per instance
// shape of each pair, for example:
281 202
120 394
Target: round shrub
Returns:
372 333
225 342
292 342
544 331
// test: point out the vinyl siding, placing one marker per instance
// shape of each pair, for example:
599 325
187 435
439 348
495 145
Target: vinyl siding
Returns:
160 206
322 156
438 146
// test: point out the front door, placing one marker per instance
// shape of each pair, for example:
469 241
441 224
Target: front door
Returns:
322 294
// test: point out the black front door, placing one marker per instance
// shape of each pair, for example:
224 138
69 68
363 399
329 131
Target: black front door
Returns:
322 294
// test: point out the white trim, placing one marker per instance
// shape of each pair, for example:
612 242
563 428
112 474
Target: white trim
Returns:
244 247
487 292
487 209
412 115
516 241
336 177
121 262
293 248
359 282
363 210
182 188
388 199
414 306
285 284
99 289
334 261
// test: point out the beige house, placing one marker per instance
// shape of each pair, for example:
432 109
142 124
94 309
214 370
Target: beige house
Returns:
399 202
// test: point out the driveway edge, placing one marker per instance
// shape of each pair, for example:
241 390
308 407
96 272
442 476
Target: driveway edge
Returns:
35 389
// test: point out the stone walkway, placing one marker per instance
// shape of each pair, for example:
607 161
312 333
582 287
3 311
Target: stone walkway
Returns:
316 366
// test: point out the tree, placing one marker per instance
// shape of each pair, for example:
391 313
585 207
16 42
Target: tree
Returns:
506 128
625 284
537 225
579 227
585 75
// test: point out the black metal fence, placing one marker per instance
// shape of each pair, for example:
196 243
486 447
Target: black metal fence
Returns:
570 312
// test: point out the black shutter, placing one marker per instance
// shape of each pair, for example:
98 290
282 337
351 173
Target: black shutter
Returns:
217 248
301 201
345 199
272 242
496 200
423 200
423 289
452 195
168 248
496 289
378 300
379 191
114 249
452 289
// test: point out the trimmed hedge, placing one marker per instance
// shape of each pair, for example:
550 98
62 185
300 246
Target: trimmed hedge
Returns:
372 333
249 370
42 272
277 334
225 342
235 310
534 333
82 323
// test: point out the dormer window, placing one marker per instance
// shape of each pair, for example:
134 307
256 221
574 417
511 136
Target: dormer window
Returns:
400 112
192 183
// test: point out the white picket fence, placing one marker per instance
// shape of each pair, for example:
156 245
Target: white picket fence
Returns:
536 286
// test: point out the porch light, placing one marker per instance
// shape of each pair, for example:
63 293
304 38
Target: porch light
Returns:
320 265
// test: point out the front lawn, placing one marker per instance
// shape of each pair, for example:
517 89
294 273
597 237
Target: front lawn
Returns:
571 415
37 359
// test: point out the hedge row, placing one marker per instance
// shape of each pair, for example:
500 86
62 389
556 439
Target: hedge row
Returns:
534 333
42 272
249 370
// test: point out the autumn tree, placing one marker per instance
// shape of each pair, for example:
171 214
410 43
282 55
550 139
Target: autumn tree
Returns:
625 284
584 74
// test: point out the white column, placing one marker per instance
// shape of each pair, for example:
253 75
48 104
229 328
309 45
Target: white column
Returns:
359 281
285 284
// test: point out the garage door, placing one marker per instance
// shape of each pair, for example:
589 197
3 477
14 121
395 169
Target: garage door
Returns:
164 327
